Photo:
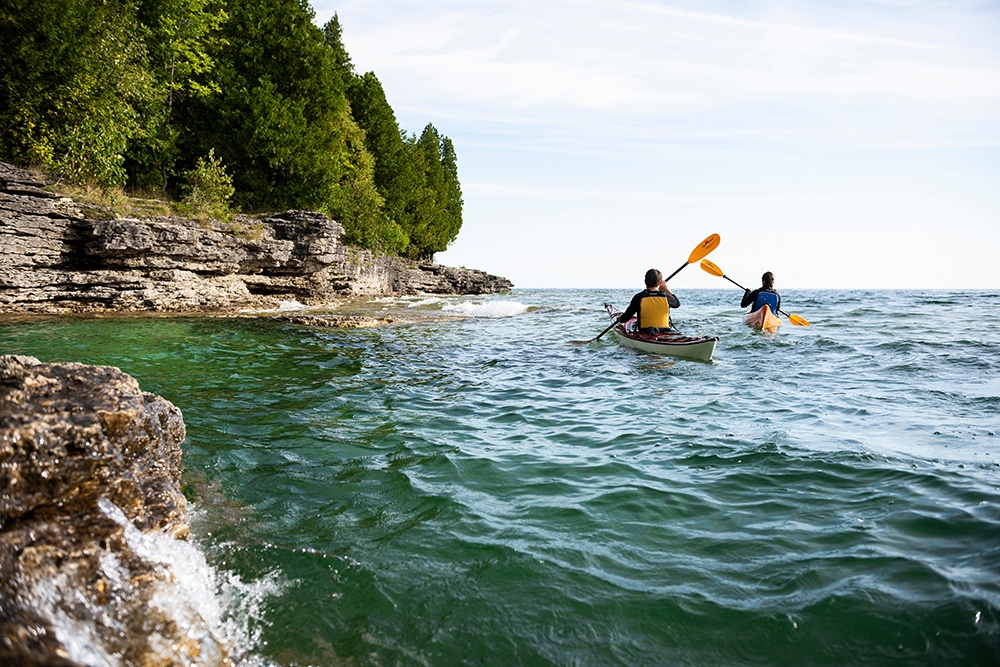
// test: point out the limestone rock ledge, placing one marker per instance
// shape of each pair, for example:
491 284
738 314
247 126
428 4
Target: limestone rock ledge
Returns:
55 258
89 465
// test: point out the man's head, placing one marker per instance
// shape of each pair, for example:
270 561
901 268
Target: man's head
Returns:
653 278
767 280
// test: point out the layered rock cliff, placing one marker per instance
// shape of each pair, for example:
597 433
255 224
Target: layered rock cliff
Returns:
90 509
55 257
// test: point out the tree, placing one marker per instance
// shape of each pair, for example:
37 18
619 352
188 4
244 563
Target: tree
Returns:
437 209
357 204
275 121
180 38
394 174
451 193
67 106
334 38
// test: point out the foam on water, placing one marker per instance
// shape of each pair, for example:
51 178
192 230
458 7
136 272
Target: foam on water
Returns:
486 308
291 306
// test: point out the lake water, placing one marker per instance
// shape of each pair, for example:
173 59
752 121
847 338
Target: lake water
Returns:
474 489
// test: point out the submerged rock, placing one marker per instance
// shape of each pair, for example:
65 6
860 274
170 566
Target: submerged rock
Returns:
90 471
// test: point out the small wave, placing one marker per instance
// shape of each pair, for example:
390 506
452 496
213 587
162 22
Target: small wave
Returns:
424 302
283 307
486 309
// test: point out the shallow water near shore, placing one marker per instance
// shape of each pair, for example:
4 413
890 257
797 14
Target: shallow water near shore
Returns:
473 488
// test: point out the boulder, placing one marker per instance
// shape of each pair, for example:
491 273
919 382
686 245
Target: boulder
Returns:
90 470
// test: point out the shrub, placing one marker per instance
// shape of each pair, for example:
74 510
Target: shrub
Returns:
209 189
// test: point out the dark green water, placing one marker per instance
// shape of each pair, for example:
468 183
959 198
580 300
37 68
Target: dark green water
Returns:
480 491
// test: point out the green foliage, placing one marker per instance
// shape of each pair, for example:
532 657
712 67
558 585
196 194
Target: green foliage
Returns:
139 92
435 210
418 177
357 203
275 119
209 189
180 37
72 73
394 175
334 38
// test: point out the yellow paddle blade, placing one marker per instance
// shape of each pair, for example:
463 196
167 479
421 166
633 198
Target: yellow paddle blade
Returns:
711 268
800 321
706 246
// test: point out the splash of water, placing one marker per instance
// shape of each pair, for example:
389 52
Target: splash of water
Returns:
218 616
486 308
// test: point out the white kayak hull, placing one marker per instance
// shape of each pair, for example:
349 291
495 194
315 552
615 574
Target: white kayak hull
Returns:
673 344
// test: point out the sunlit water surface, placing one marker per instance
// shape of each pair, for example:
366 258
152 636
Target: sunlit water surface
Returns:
481 490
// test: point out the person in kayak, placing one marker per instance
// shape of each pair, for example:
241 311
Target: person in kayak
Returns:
763 294
652 305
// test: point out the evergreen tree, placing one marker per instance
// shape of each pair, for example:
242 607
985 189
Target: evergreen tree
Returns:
275 121
357 204
437 207
394 175
451 193
334 38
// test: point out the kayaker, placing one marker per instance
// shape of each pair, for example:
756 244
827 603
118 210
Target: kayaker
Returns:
652 305
763 294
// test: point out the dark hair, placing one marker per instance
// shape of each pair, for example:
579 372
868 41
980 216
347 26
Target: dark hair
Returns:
653 278
767 280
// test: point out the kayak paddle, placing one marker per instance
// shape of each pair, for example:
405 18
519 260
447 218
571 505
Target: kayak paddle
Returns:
716 271
705 247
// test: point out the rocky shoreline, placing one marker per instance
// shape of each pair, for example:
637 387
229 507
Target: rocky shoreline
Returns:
58 257
90 508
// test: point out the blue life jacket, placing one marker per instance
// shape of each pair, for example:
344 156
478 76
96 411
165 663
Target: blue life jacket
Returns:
770 298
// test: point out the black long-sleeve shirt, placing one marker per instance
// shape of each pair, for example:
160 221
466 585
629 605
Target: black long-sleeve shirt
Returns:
633 306
750 298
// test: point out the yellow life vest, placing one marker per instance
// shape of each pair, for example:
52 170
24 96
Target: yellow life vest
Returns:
654 311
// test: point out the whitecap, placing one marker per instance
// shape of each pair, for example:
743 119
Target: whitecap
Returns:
486 309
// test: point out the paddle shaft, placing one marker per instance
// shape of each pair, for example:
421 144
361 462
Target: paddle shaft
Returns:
603 332
667 279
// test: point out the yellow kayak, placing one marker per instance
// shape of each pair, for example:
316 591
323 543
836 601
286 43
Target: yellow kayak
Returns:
763 319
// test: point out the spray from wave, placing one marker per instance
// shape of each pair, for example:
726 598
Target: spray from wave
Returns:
218 615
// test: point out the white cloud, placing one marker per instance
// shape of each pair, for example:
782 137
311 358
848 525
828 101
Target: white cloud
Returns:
805 117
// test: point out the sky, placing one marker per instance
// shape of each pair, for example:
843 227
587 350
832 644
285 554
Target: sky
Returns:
850 144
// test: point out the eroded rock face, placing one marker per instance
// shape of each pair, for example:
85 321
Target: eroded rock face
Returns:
89 464
56 259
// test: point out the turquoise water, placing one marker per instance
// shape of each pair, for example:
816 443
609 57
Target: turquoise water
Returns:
479 490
